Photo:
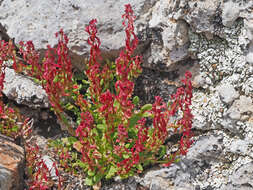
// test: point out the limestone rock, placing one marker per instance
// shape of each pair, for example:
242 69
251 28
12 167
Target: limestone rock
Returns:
243 175
24 91
227 93
11 165
40 20
242 106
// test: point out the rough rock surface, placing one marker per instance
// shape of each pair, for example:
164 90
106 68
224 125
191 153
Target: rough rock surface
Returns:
24 91
11 165
212 38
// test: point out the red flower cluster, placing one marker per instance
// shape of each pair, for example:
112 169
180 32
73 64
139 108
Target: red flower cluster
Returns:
55 74
12 123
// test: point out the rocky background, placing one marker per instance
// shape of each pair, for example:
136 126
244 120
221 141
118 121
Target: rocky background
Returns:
211 38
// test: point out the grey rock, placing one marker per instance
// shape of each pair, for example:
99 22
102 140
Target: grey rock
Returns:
198 81
249 57
5 176
227 93
207 110
235 187
159 179
150 84
243 175
24 91
3 33
231 12
248 86
197 14
127 184
242 106
229 124
40 20
207 148
178 176
239 147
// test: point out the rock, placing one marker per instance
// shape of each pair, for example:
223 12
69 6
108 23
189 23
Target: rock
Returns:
3 34
127 184
247 87
243 175
11 165
198 81
231 12
242 106
207 109
170 42
40 20
207 148
24 91
150 84
232 187
239 147
177 176
227 93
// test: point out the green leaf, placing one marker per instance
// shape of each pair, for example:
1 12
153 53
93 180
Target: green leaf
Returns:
146 114
88 181
162 151
125 156
97 178
134 119
69 140
69 106
94 130
85 82
36 81
81 164
136 100
127 145
101 82
101 127
72 139
139 167
56 79
116 104
146 107
30 170
14 128
91 173
64 119
111 172
177 160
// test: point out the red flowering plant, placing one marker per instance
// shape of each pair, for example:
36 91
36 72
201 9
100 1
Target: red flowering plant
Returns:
112 136
9 118
14 125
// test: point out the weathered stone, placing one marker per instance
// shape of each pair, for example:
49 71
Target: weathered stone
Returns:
24 91
243 175
242 106
11 165
128 184
239 147
207 148
40 20
227 93
231 12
